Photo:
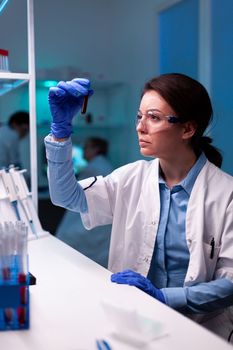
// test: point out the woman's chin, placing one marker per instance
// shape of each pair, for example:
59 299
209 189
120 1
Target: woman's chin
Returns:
146 153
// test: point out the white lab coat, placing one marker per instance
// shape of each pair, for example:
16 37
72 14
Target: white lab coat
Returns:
129 199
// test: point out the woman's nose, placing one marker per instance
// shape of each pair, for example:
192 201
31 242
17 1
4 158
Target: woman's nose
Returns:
141 125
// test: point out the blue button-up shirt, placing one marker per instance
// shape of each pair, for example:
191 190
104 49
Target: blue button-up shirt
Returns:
171 255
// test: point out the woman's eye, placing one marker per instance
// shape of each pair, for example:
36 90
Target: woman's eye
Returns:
154 117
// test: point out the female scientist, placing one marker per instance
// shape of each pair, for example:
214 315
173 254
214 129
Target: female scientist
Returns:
172 217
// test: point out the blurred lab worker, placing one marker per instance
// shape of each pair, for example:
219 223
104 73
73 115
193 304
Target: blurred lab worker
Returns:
93 243
172 216
95 152
10 136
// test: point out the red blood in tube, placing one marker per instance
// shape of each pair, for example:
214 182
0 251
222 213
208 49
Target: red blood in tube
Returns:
84 106
21 312
8 315
23 295
22 277
6 273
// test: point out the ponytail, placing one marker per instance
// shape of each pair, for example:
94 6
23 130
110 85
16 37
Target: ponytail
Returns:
211 152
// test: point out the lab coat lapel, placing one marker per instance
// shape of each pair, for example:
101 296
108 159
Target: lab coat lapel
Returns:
150 205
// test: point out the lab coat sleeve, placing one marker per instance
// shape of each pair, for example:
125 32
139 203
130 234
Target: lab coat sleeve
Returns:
64 189
216 294
100 199
224 267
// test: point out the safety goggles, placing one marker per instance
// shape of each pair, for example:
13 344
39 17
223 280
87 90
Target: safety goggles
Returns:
153 118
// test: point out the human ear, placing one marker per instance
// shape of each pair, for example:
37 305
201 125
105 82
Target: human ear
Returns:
189 129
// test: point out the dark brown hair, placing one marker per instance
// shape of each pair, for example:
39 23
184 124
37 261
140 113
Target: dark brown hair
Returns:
19 118
100 144
191 102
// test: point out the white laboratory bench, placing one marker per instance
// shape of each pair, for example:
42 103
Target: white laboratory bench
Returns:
67 314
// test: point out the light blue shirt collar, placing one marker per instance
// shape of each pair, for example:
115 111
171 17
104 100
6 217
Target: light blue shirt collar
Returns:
188 182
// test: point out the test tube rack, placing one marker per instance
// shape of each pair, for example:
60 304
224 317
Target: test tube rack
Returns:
15 301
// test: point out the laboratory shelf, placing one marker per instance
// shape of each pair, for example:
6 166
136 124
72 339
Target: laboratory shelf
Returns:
7 85
10 81
14 76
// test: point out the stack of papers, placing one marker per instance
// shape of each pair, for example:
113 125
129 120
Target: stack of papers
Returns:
131 327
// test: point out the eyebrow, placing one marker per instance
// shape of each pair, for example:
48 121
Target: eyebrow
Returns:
151 110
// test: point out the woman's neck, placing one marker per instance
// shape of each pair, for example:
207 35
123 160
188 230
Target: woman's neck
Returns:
176 168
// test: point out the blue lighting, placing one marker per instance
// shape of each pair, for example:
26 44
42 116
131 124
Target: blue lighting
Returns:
7 85
3 4
49 83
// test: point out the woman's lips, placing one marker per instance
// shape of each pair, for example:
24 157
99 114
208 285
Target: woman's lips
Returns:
143 143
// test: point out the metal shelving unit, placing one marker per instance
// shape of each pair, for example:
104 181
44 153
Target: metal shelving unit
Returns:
17 79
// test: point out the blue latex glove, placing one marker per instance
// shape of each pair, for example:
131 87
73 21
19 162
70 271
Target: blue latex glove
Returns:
135 279
65 100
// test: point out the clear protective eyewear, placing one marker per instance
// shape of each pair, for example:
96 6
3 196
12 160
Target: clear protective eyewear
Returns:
153 118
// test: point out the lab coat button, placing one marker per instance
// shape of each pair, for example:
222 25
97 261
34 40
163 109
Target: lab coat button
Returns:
153 222
191 278
189 241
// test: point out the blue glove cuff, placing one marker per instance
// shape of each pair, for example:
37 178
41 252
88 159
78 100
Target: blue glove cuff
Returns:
61 130
160 296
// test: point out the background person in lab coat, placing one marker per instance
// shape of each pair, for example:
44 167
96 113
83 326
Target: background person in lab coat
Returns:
172 217
93 243
10 136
